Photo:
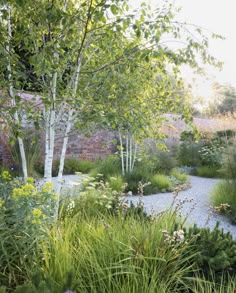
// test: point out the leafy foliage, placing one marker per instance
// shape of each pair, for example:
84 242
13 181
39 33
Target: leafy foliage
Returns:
214 250
73 165
107 167
161 182
101 244
208 172
179 175
229 160
117 183
24 213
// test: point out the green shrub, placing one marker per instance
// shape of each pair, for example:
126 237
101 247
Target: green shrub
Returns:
96 197
24 213
108 167
101 245
211 153
138 175
225 193
229 161
180 176
73 165
188 153
165 162
208 172
214 251
116 183
161 182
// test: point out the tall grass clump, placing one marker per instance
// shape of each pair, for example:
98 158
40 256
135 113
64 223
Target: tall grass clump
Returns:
179 176
161 182
224 198
72 165
32 152
100 244
137 175
208 171
226 284
224 195
229 160
113 254
108 167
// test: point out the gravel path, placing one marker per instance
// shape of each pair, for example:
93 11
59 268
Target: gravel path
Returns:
199 193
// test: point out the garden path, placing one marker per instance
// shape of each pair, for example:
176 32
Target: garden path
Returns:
197 210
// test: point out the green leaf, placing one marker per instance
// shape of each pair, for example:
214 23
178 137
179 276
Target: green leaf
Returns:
114 9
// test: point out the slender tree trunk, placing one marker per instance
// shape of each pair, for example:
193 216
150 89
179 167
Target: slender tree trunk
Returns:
127 152
122 154
63 151
46 118
50 133
13 101
130 152
51 126
65 140
135 156
69 125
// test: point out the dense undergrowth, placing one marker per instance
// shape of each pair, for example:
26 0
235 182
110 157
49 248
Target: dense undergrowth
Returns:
100 244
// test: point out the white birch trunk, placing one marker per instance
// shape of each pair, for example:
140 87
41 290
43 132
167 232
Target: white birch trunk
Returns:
68 126
122 154
51 125
135 156
63 152
130 152
50 133
46 143
65 140
13 101
127 152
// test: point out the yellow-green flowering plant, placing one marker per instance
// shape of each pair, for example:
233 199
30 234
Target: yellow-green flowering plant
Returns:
26 211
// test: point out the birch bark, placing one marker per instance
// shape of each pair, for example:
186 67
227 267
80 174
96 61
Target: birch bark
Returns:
127 152
12 95
130 152
122 154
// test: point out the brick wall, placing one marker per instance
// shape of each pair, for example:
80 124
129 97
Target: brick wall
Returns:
5 155
97 146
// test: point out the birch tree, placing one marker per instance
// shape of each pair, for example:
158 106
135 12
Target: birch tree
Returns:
9 85
60 41
66 51
137 96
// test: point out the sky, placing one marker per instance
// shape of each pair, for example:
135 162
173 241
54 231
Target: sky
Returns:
219 17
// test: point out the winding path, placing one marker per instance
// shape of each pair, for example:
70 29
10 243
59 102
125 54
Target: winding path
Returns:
197 207
198 210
